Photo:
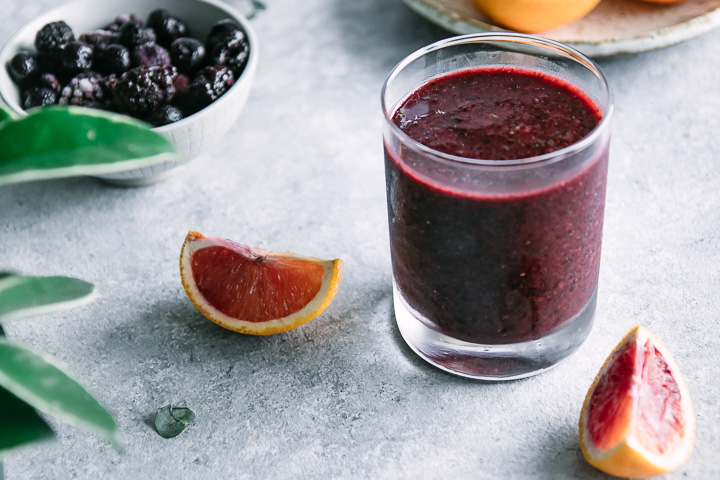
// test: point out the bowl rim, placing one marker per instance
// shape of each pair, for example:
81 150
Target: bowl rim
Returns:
8 101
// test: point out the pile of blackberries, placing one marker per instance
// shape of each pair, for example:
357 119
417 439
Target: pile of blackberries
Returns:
152 70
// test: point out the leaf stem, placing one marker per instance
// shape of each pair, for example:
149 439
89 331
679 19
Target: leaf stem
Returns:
257 6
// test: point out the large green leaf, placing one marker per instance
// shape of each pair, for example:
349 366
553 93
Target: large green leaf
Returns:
21 296
7 279
4 115
19 423
37 380
54 142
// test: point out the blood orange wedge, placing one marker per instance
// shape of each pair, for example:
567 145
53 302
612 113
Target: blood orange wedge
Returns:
638 420
253 291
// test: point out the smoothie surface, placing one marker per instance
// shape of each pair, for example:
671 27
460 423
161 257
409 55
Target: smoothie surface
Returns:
497 114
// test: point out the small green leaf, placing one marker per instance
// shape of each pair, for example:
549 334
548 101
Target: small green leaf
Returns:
37 380
21 296
182 414
55 142
19 423
171 421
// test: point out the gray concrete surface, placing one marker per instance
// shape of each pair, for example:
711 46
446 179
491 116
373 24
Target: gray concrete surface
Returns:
343 397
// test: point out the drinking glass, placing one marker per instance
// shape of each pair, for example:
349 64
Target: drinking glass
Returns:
495 262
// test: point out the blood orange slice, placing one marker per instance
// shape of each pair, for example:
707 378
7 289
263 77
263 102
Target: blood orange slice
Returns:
638 420
253 291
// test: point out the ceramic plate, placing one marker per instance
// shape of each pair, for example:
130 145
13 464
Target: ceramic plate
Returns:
615 27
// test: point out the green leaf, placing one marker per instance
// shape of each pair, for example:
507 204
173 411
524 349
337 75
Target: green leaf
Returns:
7 278
4 115
3 277
171 421
183 415
21 296
5 274
36 379
19 423
55 142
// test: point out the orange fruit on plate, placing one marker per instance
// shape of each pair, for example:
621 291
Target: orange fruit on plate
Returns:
250 290
638 419
531 16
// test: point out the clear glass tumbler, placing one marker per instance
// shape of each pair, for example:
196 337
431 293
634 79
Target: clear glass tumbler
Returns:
495 262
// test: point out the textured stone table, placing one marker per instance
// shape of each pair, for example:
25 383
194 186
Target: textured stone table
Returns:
343 397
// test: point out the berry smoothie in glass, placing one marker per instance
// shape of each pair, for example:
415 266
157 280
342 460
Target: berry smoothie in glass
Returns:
496 151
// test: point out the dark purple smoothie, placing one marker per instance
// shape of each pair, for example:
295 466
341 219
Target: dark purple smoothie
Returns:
496 268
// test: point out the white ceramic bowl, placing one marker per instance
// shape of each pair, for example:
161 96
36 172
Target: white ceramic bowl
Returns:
191 135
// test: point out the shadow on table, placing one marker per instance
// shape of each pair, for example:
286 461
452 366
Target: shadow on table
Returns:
52 198
561 456
174 331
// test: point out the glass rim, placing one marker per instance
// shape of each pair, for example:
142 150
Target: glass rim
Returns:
508 37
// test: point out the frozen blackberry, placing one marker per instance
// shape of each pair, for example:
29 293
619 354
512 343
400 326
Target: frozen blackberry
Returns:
48 80
23 68
53 36
181 83
39 97
167 27
44 91
144 89
87 89
207 86
188 54
50 62
121 20
150 54
77 57
165 115
115 59
50 41
99 39
111 82
225 32
132 34
235 57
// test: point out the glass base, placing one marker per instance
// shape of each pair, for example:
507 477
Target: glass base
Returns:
492 362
